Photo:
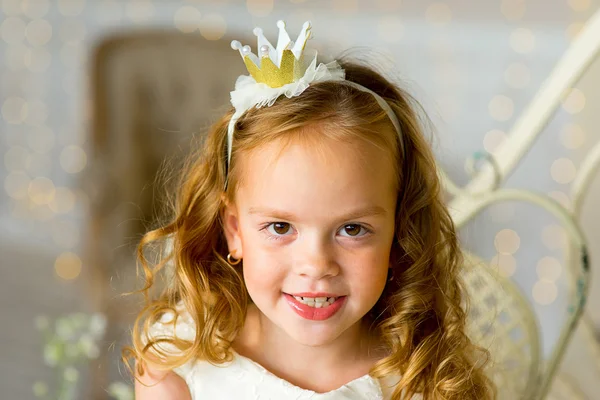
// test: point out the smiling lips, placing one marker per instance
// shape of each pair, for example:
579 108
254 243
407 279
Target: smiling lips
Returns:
316 307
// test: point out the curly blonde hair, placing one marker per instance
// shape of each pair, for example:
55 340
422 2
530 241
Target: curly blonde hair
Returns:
419 316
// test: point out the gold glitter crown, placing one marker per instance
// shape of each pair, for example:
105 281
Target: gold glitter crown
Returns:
276 66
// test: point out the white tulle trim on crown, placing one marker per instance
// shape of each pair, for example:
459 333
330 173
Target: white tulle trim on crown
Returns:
248 93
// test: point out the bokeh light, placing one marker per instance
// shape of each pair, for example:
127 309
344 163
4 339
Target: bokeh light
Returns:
574 102
505 264
63 200
259 8
187 19
12 30
438 14
522 41
213 26
562 198
574 29
38 59
14 110
68 265
513 9
493 139
501 108
71 8
35 8
554 237
544 292
11 7
507 241
572 136
563 171
579 5
41 190
73 159
38 32
548 269
16 184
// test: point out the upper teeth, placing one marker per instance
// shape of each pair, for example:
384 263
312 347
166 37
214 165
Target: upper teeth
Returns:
316 302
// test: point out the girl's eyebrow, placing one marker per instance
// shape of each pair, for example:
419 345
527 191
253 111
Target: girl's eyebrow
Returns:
359 213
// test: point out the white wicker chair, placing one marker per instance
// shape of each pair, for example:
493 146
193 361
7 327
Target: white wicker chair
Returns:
502 319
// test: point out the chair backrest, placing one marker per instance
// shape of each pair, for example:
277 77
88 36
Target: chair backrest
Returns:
501 320
495 298
483 189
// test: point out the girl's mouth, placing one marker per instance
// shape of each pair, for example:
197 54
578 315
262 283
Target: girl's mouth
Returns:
315 308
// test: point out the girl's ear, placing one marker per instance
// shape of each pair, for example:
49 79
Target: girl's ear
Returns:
231 228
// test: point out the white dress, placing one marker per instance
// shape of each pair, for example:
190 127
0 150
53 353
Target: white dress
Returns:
245 379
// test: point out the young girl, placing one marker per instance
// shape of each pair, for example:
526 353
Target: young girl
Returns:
310 253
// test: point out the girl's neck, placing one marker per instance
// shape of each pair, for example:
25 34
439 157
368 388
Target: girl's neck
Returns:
321 368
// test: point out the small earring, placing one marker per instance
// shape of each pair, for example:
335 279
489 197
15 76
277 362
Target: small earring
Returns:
390 275
233 261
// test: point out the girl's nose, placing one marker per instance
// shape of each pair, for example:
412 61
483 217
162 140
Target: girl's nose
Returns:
316 258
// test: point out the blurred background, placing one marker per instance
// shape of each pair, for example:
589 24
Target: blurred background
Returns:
96 94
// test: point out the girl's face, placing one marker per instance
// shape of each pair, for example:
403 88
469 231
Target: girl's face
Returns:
312 223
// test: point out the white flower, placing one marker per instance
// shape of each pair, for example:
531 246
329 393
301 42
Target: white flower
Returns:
64 329
40 389
52 354
88 346
120 391
97 325
71 374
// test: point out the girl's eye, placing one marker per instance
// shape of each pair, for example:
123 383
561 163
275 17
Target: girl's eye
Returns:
354 230
279 228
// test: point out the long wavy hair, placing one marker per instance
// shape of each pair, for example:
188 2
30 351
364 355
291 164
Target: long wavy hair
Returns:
420 316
